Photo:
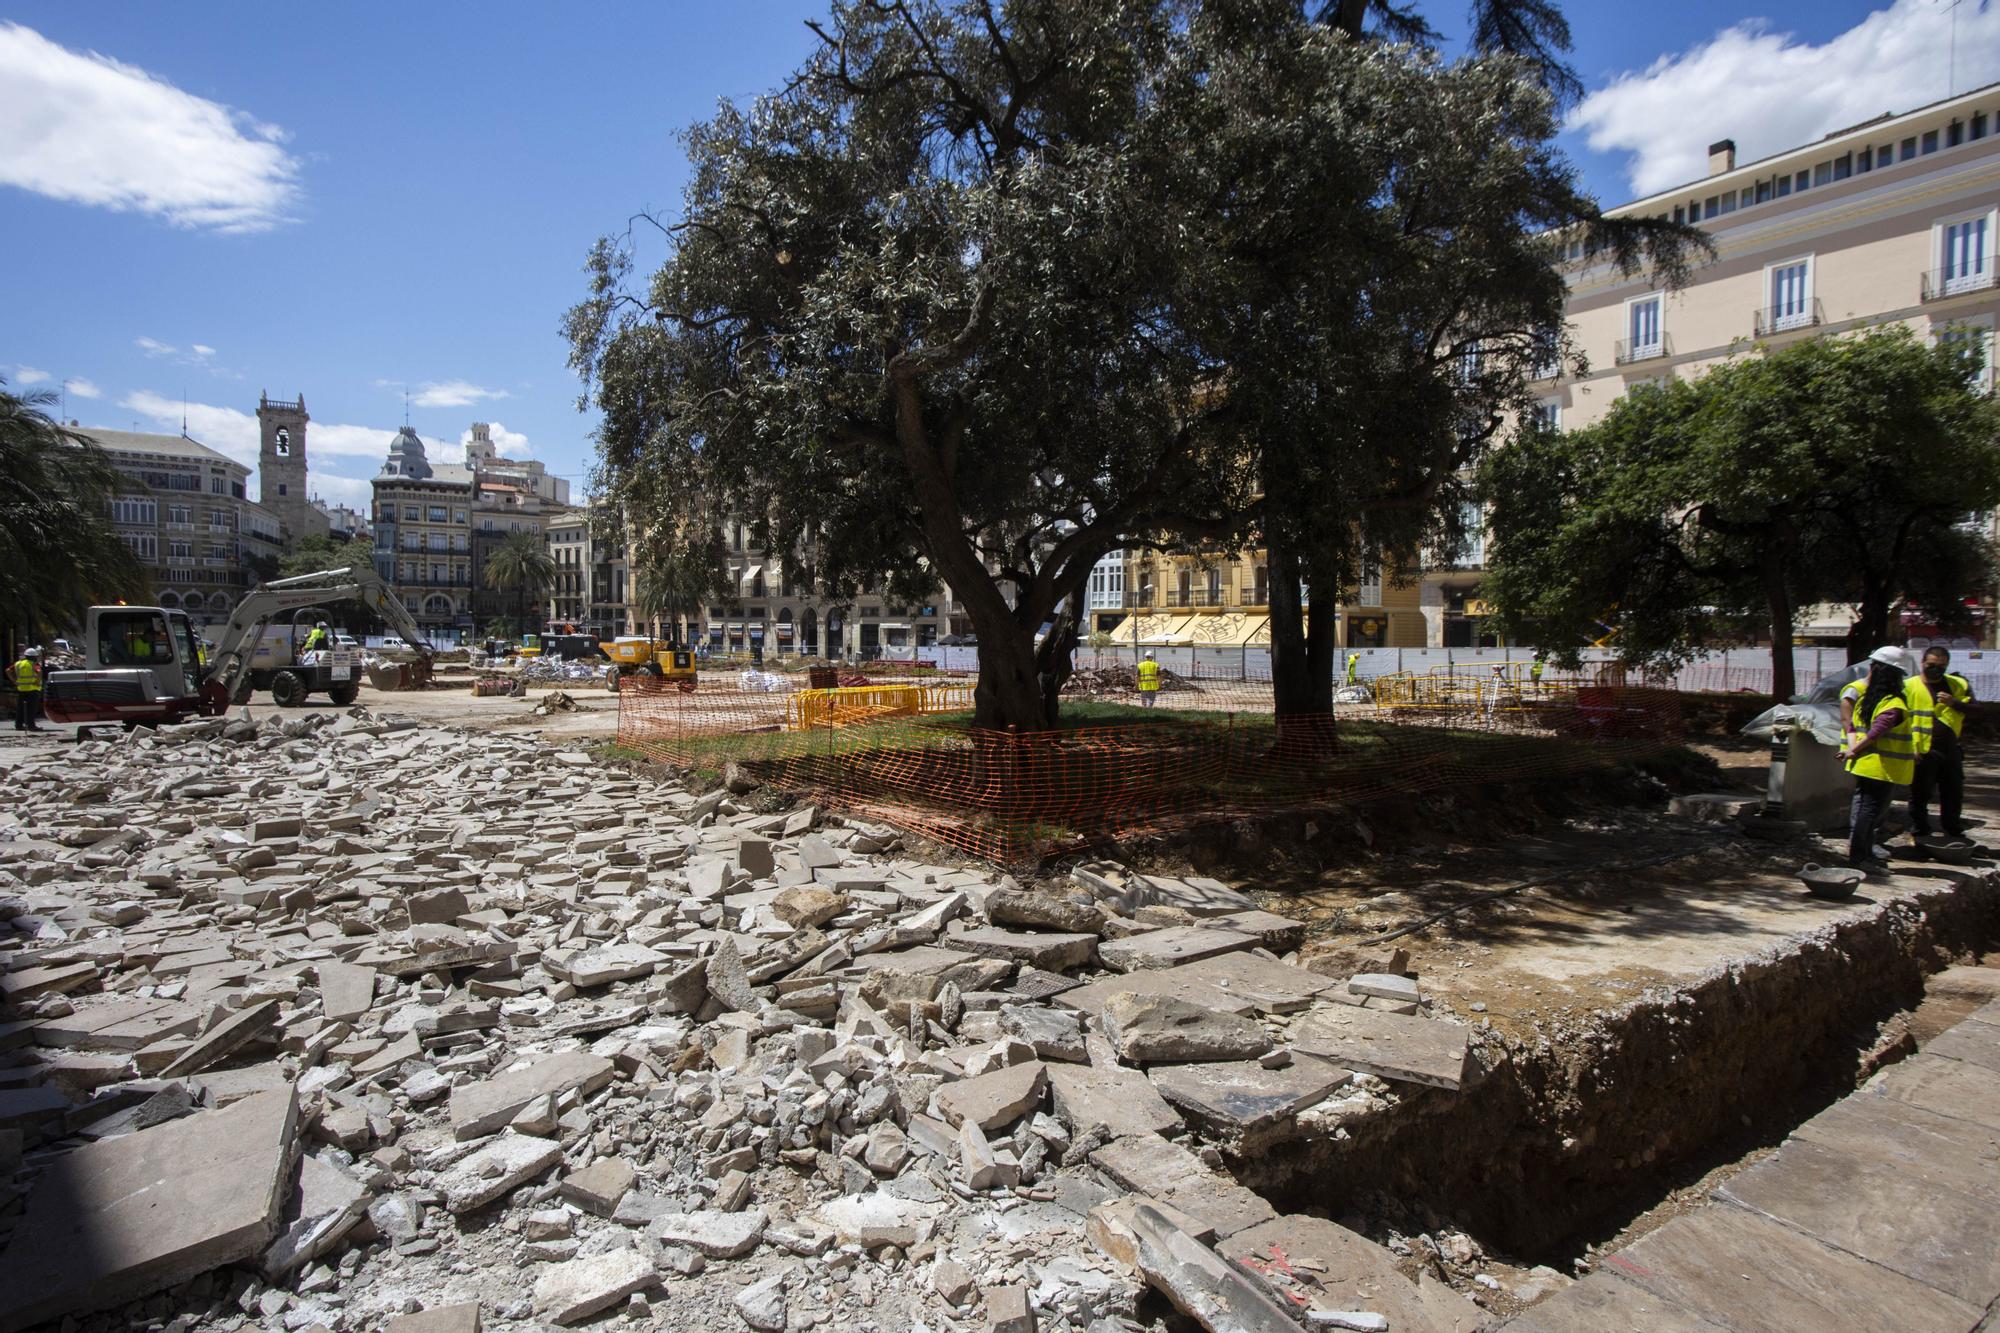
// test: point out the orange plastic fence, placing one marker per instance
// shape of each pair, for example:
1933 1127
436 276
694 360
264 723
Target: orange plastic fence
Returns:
1208 751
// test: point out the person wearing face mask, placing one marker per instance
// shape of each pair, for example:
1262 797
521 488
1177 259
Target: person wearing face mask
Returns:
1881 755
1937 701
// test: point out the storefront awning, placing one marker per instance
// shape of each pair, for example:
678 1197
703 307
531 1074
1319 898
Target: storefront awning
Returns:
1226 631
750 576
1152 629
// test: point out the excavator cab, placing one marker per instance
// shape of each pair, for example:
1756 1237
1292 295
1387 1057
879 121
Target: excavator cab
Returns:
141 666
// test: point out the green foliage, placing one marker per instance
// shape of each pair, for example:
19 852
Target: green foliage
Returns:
57 543
521 564
1837 469
315 552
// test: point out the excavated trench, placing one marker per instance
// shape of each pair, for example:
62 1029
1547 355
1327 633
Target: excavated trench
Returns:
1573 1130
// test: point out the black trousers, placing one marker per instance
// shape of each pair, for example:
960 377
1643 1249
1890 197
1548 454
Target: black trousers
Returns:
27 707
1942 771
1871 801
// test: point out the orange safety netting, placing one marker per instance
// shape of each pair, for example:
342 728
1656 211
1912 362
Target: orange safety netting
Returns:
1208 750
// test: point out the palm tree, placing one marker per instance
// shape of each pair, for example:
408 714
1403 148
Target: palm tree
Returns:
522 563
57 543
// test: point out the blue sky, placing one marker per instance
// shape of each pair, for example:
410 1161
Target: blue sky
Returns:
346 201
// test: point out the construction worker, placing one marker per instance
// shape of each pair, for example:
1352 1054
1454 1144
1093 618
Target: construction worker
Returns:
1850 701
1937 702
1354 668
319 639
26 674
1149 681
1881 756
1535 670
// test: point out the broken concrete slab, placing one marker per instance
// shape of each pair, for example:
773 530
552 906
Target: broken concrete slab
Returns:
1056 1034
598 1187
1273 987
442 1319
1158 949
1169 1172
483 1176
347 990
234 1031
1386 985
1040 911
1178 982
1144 1029
324 1206
1122 1100
1052 951
1243 1097
1199 1283
121 1218
714 1233
1394 1046
605 964
878 1218
1128 892
994 1099
482 1108
1335 1269
567 1293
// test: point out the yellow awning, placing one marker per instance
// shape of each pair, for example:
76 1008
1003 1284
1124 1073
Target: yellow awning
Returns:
1231 630
1152 629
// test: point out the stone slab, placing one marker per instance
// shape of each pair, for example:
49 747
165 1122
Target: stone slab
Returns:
216 1043
994 1099
485 1107
121 1218
118 1025
1198 1281
1606 1303
325 1205
1958 1154
568 1293
1394 1046
1172 1174
1946 1087
1157 949
714 1233
605 964
1195 895
1176 982
1122 1100
483 1176
1274 987
1338 1269
443 1319
1973 1041
1748 1272
1242 1096
1900 1219
1279 934
347 990
1053 951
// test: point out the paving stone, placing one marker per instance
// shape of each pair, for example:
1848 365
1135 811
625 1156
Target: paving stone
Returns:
1244 1097
1157 949
598 1187
325 1205
116 1025
568 1293
872 1220
1041 911
808 905
483 1176
1279 934
1413 1050
484 1107
605 964
1952 1152
443 1319
994 1099
1273 987
1007 1310
753 856
1158 1028
1050 950
1199 1283
1947 1087
1336 1269
121 1218
440 907
347 990
1181 983
1122 1100
714 1233
1054 1033
1385 985
30 982
1910 1222
226 1036
1603 1302
1172 1174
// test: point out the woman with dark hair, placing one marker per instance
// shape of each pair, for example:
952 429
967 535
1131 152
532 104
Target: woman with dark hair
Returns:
1881 756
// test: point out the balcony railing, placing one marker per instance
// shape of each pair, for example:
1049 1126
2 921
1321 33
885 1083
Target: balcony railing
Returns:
1199 597
1940 283
1784 319
1628 350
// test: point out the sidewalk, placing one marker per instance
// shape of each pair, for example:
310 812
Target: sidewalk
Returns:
1877 1213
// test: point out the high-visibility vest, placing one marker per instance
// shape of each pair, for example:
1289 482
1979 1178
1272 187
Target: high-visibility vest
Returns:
1926 713
1893 756
1149 676
1851 693
1353 663
27 680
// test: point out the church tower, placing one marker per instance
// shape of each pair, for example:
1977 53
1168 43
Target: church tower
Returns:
281 462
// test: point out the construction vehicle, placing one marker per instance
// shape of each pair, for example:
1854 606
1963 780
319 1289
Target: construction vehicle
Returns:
142 668
643 655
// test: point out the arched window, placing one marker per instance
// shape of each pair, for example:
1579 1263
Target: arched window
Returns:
170 600
219 601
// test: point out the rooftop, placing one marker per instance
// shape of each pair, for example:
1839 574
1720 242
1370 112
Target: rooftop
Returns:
173 446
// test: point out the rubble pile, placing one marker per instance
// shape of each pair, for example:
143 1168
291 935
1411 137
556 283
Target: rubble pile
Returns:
336 1023
1091 682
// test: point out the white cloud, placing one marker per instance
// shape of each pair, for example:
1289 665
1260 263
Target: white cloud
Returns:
27 375
453 393
324 439
154 347
507 443
1770 91
202 352
87 129
79 387
354 492
232 431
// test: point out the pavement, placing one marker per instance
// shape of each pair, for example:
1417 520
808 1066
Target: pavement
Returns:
1876 1213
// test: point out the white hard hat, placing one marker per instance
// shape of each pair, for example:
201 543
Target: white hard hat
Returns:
1149 657
32 652
1890 655
322 624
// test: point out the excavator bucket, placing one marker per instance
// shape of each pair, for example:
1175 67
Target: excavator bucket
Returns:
400 675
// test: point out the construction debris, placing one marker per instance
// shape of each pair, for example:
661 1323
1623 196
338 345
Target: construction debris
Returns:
343 1023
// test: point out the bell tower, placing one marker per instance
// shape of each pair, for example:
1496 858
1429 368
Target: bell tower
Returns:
281 462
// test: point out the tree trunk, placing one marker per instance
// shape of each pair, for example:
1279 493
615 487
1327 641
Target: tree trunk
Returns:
1302 655
1777 592
1871 620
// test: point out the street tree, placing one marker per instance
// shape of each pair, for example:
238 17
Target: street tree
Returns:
521 564
1700 513
56 539
316 552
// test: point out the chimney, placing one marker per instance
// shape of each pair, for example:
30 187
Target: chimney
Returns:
1721 156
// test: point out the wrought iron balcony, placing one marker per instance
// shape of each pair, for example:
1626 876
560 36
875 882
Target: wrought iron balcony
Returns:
1783 319
1940 283
1626 351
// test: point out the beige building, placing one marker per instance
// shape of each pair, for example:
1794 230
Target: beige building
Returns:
183 512
423 537
1223 601
1891 221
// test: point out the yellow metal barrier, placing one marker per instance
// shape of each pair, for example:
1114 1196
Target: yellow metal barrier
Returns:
853 704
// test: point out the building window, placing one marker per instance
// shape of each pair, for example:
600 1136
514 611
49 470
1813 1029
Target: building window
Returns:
143 544
1547 414
180 551
180 514
135 513
1843 166
1963 263
1789 289
1803 180
411 513
1930 142
1954 134
1710 206
215 486
1642 324
1909 149
1729 202
1979 124
437 541
1472 546
1784 186
458 516
1763 193
436 514
1973 340
1864 160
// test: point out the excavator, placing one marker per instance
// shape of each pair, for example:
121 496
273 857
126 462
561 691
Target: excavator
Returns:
143 666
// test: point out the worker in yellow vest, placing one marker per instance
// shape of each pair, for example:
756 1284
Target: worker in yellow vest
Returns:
1850 700
1938 699
1149 681
1880 757
26 677
1354 668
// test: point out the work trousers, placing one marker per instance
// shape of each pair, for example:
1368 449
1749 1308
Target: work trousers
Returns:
1942 770
27 707
1871 802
